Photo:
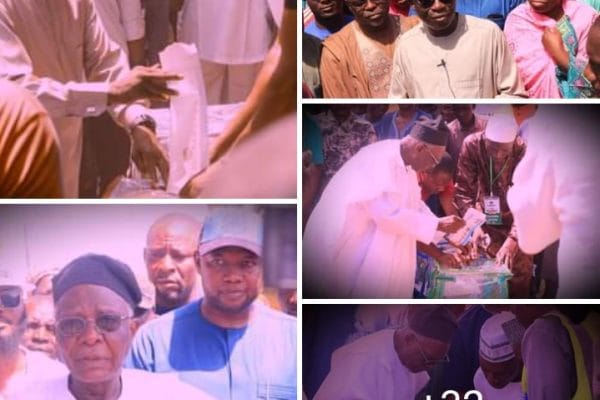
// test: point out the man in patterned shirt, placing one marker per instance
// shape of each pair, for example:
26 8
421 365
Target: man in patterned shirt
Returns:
357 60
344 134
486 165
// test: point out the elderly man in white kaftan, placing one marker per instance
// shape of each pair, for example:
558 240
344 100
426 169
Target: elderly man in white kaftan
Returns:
391 364
360 240
555 195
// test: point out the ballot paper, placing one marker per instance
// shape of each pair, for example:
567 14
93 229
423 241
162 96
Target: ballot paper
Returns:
473 220
188 137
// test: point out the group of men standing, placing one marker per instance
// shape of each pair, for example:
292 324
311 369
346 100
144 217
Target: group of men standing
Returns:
450 49
206 327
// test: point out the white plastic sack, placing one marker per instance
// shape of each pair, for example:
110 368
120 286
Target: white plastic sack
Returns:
188 139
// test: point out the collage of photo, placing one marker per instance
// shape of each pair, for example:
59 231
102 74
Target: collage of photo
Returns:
300 199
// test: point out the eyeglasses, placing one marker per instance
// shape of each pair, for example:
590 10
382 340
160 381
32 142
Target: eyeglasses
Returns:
247 267
429 3
105 323
430 362
10 297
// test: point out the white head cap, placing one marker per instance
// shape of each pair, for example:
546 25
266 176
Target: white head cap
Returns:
494 345
502 127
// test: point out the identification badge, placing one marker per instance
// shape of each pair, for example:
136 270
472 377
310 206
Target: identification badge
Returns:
491 208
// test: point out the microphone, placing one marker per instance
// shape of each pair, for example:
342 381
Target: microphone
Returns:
442 63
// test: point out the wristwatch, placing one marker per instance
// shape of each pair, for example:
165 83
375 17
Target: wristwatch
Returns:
144 120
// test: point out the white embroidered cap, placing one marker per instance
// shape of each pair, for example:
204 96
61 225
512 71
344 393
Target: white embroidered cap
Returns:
494 345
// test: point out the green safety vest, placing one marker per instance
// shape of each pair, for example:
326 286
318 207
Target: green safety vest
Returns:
583 391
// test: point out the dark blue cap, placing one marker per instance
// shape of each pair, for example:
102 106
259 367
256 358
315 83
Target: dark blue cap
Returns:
95 269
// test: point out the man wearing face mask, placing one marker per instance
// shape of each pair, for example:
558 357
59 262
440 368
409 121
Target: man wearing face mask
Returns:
391 363
360 240
451 55
486 165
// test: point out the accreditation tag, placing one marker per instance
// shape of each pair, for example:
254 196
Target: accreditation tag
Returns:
491 208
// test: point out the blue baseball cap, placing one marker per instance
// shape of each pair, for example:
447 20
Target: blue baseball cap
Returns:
238 226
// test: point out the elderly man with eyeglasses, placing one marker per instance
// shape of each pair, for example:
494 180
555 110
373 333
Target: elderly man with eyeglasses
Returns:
451 55
95 297
19 367
392 363
360 240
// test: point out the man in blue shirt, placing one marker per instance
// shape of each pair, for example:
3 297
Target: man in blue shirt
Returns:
227 344
329 18
397 124
495 11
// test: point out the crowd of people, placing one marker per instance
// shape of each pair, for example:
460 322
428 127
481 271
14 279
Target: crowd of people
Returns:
205 327
93 69
450 49
436 351
383 183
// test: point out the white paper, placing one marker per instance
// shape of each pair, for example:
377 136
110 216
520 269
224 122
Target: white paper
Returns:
188 137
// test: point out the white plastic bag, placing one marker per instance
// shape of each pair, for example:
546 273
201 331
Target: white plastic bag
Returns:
188 139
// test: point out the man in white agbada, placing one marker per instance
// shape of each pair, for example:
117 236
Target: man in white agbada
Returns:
555 195
124 24
95 297
392 363
233 38
360 240
499 374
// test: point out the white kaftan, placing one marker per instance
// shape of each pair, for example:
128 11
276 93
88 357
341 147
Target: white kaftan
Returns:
512 391
360 240
555 196
472 62
122 19
136 384
369 368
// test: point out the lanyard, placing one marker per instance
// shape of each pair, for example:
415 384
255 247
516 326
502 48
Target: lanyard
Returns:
492 179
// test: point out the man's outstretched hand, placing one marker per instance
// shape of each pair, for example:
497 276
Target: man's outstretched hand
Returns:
142 83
